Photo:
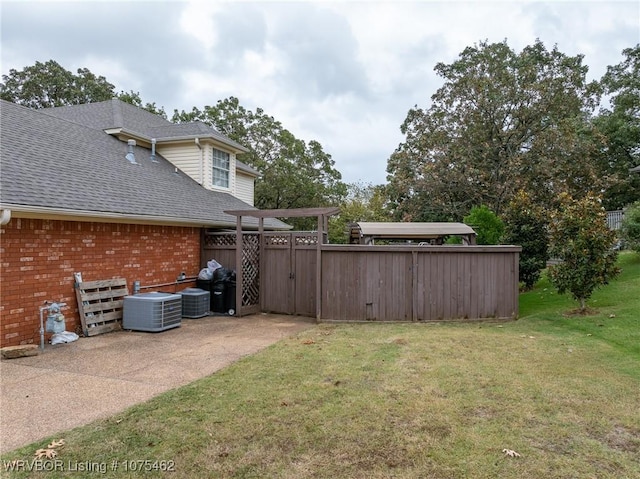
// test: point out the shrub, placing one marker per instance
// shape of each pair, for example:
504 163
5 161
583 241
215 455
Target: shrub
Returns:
487 225
526 226
630 229
582 241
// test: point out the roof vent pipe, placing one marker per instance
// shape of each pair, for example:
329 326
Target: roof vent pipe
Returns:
153 150
130 156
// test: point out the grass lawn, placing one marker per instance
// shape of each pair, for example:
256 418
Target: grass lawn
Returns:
400 400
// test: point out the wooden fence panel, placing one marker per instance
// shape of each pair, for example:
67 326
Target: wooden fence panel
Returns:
221 247
304 282
380 283
428 283
277 285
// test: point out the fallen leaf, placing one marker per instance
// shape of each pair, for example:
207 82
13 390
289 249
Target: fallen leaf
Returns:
511 453
612 315
48 453
54 444
532 337
308 341
589 334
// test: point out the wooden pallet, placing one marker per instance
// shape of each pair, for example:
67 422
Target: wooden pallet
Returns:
101 305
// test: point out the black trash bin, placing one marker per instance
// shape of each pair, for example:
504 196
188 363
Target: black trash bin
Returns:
218 290
230 293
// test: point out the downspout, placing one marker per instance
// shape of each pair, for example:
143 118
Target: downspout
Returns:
5 216
201 161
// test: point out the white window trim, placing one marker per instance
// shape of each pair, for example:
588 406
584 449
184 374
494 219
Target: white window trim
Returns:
215 168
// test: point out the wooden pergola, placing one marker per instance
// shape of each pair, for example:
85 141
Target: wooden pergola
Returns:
322 215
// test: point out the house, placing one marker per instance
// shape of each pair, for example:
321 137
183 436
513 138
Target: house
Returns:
108 190
200 151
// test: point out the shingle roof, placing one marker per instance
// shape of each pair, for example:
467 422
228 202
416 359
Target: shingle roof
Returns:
413 230
118 114
49 162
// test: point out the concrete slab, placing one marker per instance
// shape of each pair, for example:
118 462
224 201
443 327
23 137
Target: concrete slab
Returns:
69 385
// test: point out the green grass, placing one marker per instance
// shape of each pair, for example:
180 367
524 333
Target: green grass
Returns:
402 401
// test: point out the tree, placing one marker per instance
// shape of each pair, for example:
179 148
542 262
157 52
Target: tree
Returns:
486 224
363 203
501 122
133 98
630 229
582 241
620 127
295 174
526 225
48 84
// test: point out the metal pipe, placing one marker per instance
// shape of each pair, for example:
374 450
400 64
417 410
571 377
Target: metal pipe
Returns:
153 150
187 279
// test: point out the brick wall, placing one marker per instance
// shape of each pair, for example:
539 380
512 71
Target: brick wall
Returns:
38 259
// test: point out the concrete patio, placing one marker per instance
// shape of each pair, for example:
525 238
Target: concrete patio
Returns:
69 385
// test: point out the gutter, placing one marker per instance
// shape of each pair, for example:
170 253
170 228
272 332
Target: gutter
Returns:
143 140
62 214
43 212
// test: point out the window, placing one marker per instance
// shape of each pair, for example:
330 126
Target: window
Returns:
220 168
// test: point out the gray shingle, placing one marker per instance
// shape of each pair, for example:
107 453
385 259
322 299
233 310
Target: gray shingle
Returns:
47 161
118 114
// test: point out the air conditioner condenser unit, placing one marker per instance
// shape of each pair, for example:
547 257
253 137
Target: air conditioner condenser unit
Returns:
152 311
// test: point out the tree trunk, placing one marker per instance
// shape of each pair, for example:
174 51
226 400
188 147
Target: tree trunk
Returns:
583 305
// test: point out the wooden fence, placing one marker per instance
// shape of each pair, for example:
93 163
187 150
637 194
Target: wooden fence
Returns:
419 283
371 283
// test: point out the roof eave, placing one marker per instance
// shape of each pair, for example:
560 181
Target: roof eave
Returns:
143 140
45 212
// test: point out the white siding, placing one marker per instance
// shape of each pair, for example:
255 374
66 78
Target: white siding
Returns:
245 187
186 157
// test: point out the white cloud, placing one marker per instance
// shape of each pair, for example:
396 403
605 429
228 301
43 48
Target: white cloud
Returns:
342 73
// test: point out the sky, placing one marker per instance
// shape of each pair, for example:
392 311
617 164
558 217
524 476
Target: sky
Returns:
342 73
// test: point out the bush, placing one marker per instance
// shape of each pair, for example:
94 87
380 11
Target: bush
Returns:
526 226
582 241
488 227
630 229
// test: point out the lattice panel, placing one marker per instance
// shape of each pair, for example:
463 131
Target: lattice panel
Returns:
306 240
250 270
220 239
277 240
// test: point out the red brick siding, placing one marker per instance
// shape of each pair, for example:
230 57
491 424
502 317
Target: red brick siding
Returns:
38 259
